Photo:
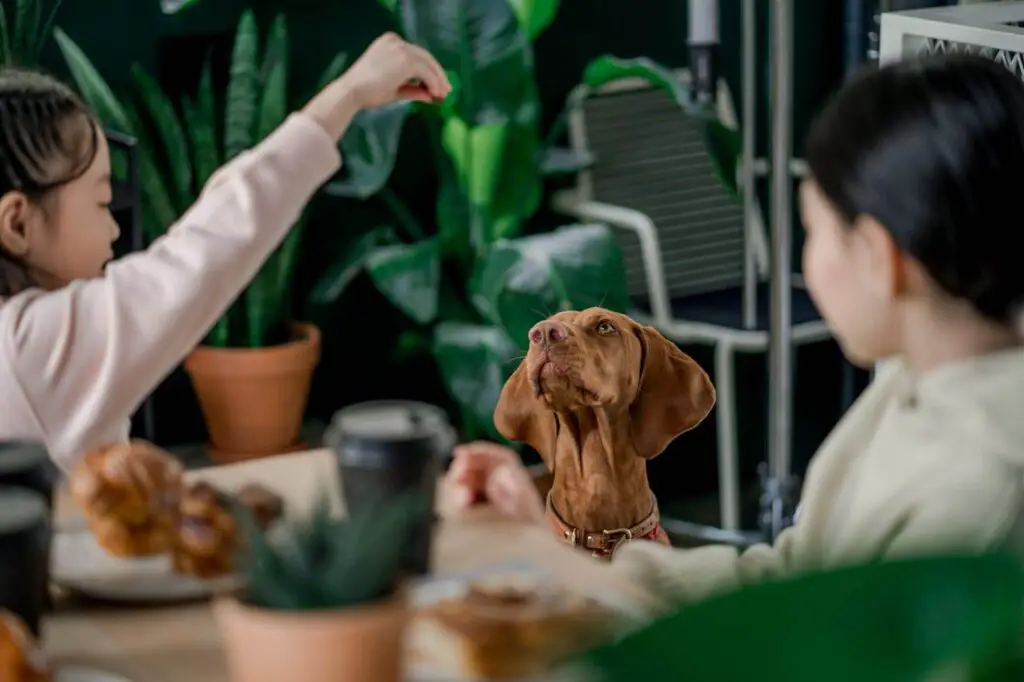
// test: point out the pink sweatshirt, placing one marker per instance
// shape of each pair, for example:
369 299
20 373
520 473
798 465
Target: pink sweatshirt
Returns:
77 362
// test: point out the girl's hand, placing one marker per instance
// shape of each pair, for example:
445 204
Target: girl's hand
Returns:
392 69
494 474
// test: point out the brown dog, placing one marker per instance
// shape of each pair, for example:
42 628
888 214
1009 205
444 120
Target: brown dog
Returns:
597 396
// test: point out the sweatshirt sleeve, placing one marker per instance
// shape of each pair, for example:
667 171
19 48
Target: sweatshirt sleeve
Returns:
690 575
87 355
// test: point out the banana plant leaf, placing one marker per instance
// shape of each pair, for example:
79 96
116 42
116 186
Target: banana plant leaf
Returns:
535 15
475 361
409 276
522 281
369 149
350 262
908 621
483 44
723 143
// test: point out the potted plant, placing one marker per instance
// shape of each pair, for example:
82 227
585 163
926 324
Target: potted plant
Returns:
252 373
322 601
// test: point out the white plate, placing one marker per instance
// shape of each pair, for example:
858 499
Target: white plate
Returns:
79 564
74 673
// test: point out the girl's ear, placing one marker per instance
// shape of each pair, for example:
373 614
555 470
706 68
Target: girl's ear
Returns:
885 261
16 224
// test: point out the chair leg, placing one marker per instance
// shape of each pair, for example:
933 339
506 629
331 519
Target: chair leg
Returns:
728 464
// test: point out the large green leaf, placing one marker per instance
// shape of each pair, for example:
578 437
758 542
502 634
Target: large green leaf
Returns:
349 264
409 275
273 102
243 88
482 42
171 134
522 281
723 143
535 15
175 6
369 149
923 619
475 361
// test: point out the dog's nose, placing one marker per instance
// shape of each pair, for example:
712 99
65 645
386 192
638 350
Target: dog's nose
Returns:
548 332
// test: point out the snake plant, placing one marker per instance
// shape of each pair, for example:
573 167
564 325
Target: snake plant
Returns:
325 562
24 31
182 143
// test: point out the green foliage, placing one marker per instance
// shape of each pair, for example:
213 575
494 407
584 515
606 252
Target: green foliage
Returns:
474 289
325 562
956 618
182 144
24 29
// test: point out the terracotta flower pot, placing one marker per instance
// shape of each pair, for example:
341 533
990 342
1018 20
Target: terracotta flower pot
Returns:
361 644
253 399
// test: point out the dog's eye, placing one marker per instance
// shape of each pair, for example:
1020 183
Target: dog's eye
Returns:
604 327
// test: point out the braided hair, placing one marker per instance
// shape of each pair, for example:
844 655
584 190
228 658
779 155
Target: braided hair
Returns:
48 138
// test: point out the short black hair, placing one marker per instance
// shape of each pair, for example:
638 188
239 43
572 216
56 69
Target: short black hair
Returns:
934 150
48 138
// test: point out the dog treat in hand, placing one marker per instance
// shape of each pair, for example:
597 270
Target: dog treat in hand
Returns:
21 659
502 629
129 494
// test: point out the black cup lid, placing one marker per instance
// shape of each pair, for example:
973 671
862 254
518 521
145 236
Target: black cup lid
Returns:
21 510
389 420
18 456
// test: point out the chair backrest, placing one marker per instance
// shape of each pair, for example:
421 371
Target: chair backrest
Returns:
127 193
650 157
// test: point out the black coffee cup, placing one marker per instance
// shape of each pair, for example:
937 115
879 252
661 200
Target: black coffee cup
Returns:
25 535
24 464
387 449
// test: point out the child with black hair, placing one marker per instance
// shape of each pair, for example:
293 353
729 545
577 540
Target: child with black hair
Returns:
915 193
82 342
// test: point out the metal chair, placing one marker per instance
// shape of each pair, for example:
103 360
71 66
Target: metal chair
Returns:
696 267
126 205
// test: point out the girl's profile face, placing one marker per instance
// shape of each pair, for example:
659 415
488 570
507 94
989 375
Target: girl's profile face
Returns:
847 276
73 237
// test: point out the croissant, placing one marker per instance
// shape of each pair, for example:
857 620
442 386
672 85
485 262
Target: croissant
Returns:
21 659
129 493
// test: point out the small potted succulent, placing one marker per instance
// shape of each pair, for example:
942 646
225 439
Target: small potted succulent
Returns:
322 598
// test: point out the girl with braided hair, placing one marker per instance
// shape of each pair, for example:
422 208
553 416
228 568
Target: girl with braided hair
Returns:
82 342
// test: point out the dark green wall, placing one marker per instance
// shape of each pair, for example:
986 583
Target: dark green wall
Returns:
116 33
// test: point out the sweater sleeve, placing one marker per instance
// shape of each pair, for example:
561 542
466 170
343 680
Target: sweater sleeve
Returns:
86 355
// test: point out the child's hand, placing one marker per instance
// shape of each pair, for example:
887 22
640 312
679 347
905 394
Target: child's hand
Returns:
486 472
392 69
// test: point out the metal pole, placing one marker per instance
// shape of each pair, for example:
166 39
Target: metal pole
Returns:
703 42
780 377
748 83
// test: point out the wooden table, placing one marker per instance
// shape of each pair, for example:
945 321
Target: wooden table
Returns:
182 644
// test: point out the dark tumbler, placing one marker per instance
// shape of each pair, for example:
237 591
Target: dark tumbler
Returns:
24 555
386 449
24 464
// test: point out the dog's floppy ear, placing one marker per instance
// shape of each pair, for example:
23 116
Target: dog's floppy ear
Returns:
520 416
675 394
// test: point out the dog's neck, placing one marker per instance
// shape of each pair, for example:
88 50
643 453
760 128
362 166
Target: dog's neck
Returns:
600 483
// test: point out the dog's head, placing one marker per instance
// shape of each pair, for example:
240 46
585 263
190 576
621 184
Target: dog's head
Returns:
596 358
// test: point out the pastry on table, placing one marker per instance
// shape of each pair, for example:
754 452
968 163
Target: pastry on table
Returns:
129 493
208 537
21 659
498 629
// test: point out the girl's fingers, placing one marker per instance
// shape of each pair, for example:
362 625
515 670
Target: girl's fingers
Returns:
435 78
